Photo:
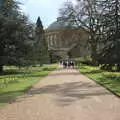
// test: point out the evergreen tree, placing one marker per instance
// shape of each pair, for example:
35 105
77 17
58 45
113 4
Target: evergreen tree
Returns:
41 50
15 35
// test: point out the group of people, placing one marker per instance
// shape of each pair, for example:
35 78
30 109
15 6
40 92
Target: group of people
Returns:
67 63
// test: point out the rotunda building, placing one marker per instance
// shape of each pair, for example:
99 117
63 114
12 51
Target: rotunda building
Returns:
66 41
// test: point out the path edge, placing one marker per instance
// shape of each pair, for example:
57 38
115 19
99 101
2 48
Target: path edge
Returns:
111 91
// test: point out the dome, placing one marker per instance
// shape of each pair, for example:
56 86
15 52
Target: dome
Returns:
59 24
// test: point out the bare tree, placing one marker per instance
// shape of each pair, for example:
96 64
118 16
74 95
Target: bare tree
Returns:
86 14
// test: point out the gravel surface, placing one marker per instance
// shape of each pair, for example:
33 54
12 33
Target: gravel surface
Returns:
64 94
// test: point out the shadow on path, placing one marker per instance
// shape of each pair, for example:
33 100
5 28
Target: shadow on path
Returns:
70 92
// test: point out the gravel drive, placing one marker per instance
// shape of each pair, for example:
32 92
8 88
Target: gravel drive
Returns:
64 94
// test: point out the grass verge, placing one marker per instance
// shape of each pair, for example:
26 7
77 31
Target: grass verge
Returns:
14 82
110 80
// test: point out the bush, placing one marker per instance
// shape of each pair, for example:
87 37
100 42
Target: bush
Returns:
86 61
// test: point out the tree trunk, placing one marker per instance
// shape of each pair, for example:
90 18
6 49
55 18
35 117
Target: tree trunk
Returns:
50 55
93 43
118 67
1 68
94 53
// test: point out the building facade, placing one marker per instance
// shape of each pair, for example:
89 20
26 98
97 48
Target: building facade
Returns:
66 41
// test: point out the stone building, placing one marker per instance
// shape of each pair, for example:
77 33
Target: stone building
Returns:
66 41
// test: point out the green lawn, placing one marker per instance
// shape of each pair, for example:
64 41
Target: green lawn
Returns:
110 80
14 82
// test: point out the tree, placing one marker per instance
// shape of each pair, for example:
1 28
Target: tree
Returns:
102 19
23 44
4 21
15 35
41 49
87 15
111 24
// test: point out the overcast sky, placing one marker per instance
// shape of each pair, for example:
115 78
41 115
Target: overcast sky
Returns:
46 9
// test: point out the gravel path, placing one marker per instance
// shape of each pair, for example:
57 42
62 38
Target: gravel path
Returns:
64 95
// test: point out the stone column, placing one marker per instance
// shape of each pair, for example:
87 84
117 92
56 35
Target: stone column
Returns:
51 40
55 40
48 41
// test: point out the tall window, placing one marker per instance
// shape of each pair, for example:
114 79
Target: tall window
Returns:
55 40
51 40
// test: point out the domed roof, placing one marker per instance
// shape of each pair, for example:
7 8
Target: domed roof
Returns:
59 24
